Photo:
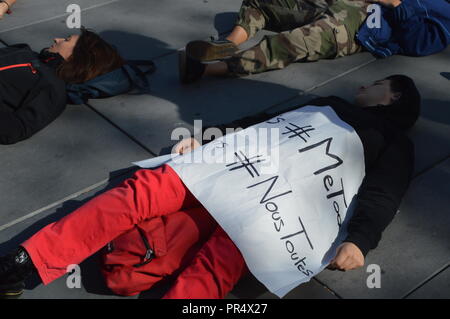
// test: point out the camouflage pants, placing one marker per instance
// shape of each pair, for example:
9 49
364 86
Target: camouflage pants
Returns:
309 30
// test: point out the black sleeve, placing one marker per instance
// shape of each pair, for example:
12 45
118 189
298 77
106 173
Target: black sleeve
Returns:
34 115
11 127
380 194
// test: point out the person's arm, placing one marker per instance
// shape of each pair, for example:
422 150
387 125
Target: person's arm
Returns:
416 35
378 200
5 7
380 194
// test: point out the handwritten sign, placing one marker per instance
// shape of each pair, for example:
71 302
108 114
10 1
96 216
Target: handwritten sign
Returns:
287 223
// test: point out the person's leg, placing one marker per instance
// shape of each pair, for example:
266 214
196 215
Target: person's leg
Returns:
149 193
175 239
213 272
277 15
329 37
238 35
254 15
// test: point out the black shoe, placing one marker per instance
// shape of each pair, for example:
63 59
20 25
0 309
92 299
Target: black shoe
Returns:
207 51
14 269
189 70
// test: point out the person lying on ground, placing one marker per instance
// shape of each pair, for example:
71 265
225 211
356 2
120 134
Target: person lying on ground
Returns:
33 85
310 30
380 115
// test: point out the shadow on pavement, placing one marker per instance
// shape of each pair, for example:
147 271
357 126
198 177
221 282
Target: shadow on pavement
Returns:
446 75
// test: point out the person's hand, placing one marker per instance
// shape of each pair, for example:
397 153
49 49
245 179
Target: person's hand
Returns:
3 9
186 145
387 3
348 257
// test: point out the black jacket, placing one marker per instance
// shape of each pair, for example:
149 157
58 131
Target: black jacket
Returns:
389 164
31 95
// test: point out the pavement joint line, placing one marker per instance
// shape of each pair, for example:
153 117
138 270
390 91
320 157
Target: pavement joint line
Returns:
356 68
328 288
131 137
427 280
61 201
427 169
58 16
52 205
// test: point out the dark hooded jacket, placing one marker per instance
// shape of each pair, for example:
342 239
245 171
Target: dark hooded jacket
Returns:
388 156
31 95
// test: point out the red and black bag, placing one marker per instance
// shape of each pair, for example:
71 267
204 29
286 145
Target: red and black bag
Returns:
155 249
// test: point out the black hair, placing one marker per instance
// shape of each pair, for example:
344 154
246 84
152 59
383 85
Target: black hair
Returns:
404 112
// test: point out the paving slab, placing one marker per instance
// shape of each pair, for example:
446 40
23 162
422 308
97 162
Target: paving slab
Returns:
413 247
436 288
77 150
250 288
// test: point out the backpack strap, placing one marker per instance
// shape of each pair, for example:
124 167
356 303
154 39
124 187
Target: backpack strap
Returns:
151 68
138 77
122 80
4 43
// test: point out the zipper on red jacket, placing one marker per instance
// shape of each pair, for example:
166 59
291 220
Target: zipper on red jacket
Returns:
24 65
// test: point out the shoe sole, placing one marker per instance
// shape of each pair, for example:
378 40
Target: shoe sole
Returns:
11 291
11 294
205 51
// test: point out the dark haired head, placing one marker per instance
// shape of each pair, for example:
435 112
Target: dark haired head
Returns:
405 110
92 56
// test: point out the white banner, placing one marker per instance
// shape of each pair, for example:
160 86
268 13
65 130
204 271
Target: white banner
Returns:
285 197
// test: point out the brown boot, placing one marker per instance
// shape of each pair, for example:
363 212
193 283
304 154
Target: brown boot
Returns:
207 51
190 70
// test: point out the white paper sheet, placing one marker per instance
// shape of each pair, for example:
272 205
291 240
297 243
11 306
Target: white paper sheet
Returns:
155 161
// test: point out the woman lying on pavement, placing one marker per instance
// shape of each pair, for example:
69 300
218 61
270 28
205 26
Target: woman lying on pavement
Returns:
380 115
33 86
310 30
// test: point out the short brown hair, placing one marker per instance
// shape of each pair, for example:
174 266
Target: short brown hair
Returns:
92 56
